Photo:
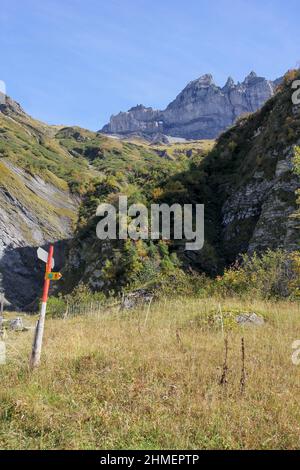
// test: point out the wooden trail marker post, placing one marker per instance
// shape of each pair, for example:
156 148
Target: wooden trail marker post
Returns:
1 311
1 304
39 331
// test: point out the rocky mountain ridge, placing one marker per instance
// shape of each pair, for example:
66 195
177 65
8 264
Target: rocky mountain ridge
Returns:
201 111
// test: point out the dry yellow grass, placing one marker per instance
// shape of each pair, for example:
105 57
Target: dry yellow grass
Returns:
151 379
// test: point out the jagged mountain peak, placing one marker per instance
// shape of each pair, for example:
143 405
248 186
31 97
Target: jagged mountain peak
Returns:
251 75
202 110
229 84
139 107
205 80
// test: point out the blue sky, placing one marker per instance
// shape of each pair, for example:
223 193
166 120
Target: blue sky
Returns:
79 61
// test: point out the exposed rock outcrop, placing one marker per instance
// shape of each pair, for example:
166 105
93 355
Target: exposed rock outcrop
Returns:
201 111
260 184
32 213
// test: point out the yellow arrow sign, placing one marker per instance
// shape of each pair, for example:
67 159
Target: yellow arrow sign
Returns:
53 276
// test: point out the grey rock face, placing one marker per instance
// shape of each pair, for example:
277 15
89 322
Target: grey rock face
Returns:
23 230
137 120
9 106
266 205
201 111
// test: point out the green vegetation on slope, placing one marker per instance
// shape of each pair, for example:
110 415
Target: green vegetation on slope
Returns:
46 170
144 173
242 169
28 145
70 159
136 162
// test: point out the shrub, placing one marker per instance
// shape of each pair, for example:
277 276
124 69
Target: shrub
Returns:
56 307
294 284
273 274
296 161
179 283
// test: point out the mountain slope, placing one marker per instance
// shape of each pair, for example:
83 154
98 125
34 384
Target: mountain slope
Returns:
201 111
248 184
44 173
36 203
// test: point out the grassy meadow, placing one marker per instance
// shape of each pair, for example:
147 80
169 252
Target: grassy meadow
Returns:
156 378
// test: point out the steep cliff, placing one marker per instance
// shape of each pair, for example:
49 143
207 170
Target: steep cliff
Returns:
257 161
253 181
201 111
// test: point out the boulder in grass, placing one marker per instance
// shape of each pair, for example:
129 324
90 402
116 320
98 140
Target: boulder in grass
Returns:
136 298
16 324
250 319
